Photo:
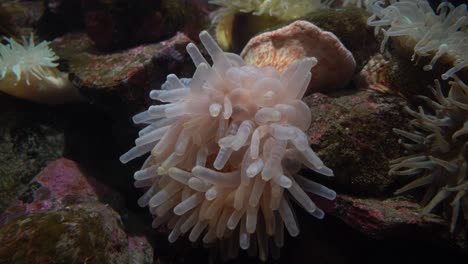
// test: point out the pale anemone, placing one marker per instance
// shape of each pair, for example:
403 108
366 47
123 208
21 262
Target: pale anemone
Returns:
224 150
436 35
438 143
30 71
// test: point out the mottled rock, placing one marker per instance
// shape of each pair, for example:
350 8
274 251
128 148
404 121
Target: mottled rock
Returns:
85 233
19 18
120 79
32 136
60 184
60 17
300 39
394 218
389 218
352 133
350 26
121 24
29 139
139 250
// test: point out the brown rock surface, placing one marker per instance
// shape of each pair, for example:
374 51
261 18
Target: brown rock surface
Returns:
300 39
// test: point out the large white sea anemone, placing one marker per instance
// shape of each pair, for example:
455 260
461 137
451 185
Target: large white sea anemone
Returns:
225 152
436 35
30 71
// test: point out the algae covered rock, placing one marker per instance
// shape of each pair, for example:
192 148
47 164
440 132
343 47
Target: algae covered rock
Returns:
121 78
350 26
85 233
397 219
352 132
60 184
19 18
30 138
114 25
280 48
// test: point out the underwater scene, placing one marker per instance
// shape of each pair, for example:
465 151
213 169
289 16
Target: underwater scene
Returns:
233 131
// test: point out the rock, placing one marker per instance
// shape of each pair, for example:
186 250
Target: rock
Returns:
300 39
84 233
60 184
30 138
350 26
19 18
122 79
60 17
395 218
352 134
114 25
187 16
119 83
389 218
140 250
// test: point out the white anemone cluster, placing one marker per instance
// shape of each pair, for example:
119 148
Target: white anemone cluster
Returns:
29 71
225 151
436 35
28 61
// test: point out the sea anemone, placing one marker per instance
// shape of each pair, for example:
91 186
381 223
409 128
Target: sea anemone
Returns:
439 143
29 71
436 35
225 148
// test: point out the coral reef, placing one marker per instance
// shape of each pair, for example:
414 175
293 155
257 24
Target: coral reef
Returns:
225 149
415 24
29 71
282 47
438 147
